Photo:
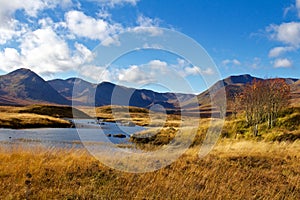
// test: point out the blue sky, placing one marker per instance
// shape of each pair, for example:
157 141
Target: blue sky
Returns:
56 38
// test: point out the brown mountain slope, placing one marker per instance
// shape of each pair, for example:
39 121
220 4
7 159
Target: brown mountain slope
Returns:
23 86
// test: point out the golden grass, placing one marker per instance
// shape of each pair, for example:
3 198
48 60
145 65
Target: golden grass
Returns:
35 116
233 170
26 120
139 116
49 110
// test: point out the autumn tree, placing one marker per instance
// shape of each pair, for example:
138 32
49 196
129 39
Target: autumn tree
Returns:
233 100
263 99
277 98
219 101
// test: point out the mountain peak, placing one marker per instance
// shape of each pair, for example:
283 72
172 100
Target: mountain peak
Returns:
24 85
239 79
107 83
22 71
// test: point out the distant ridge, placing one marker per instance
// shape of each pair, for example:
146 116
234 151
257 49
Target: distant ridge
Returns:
107 93
65 88
23 87
235 84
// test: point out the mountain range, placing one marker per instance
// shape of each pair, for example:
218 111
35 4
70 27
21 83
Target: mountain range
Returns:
23 87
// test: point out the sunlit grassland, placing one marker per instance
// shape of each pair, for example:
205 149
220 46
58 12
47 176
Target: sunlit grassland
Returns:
139 116
240 166
233 170
27 120
35 116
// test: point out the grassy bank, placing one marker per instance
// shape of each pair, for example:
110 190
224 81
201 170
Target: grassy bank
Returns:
139 116
287 129
233 170
37 116
26 120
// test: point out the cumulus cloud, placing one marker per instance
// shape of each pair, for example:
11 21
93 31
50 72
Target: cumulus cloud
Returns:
231 62
85 26
44 52
113 3
145 73
50 46
11 28
277 51
95 73
155 69
147 25
282 63
185 69
134 74
288 33
31 7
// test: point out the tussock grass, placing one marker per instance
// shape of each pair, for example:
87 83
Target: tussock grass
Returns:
26 120
233 170
139 116
36 116
49 110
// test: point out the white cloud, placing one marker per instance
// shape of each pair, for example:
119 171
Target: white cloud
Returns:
294 7
44 47
152 46
44 52
231 62
288 33
298 7
152 72
147 25
142 74
10 59
95 74
282 63
11 28
277 51
82 54
113 3
207 71
85 26
147 22
30 7
134 74
185 69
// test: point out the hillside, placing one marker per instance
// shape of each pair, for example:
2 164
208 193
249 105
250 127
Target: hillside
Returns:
235 84
107 93
25 87
84 89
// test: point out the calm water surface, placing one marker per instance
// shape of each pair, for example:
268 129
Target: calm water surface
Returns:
69 137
